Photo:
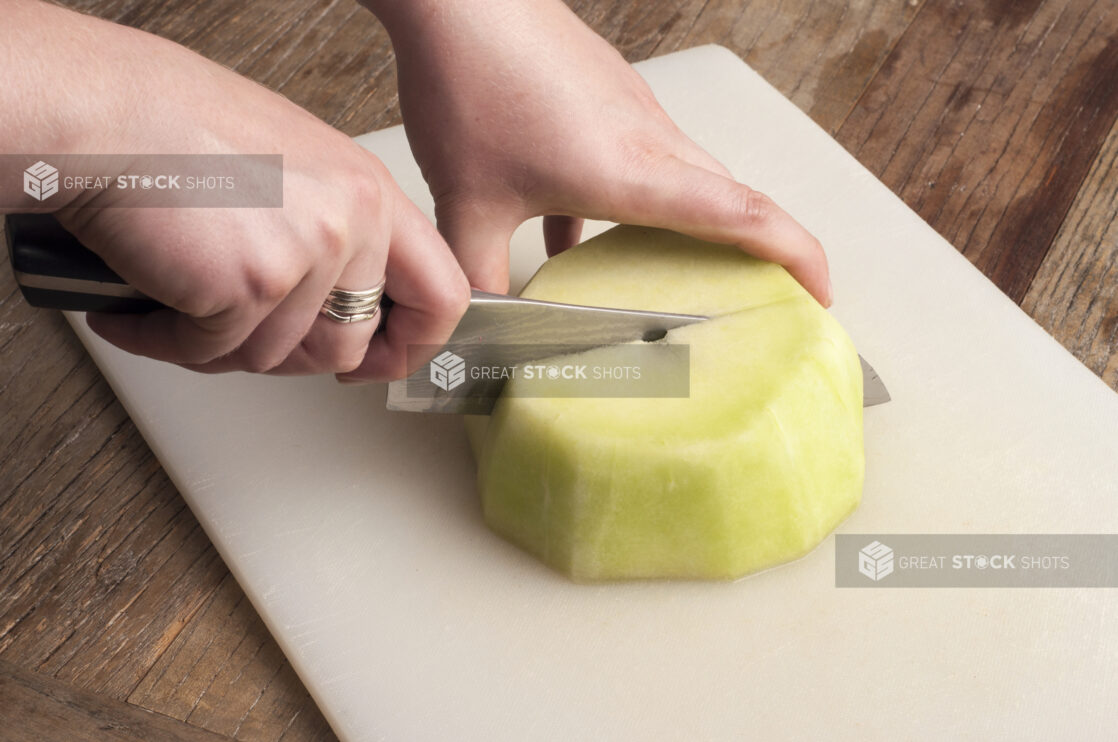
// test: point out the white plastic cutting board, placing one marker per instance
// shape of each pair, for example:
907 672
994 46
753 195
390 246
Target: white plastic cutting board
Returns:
358 537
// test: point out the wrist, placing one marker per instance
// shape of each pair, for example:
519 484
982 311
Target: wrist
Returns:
404 18
83 86
73 79
407 20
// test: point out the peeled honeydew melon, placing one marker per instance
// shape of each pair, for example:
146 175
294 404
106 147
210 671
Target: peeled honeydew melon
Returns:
754 468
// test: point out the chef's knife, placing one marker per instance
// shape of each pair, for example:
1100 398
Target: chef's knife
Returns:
55 271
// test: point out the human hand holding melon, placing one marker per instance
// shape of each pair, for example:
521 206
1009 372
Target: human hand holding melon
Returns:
515 109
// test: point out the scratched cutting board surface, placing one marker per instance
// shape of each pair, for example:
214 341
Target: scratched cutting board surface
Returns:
358 537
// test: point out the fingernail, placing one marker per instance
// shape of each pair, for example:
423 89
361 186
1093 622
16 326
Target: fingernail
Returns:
354 382
830 293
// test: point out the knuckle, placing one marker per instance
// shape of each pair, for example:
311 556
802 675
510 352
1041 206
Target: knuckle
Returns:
345 357
333 234
201 303
216 336
261 360
198 292
268 282
326 355
817 250
753 208
332 238
809 254
453 298
365 187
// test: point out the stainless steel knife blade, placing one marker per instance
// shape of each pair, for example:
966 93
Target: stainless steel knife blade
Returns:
505 331
54 270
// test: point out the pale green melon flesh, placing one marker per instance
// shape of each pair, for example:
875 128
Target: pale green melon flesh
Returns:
754 468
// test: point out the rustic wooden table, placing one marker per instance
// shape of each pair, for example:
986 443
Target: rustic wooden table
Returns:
996 120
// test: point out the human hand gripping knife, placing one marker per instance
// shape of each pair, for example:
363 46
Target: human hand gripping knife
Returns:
55 271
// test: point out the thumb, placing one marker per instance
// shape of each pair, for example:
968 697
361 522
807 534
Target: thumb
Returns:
478 234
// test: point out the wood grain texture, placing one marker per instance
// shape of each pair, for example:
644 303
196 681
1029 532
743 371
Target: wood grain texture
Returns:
821 54
1075 293
994 119
223 678
986 120
46 710
102 566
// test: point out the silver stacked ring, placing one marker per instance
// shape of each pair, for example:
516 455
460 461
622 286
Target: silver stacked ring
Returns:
352 306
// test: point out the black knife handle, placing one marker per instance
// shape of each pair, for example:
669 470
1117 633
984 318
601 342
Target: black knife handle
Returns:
56 271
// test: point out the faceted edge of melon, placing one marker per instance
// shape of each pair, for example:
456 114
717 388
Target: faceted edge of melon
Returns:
569 563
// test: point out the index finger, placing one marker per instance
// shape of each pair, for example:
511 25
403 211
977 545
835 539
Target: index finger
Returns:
686 198
429 295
